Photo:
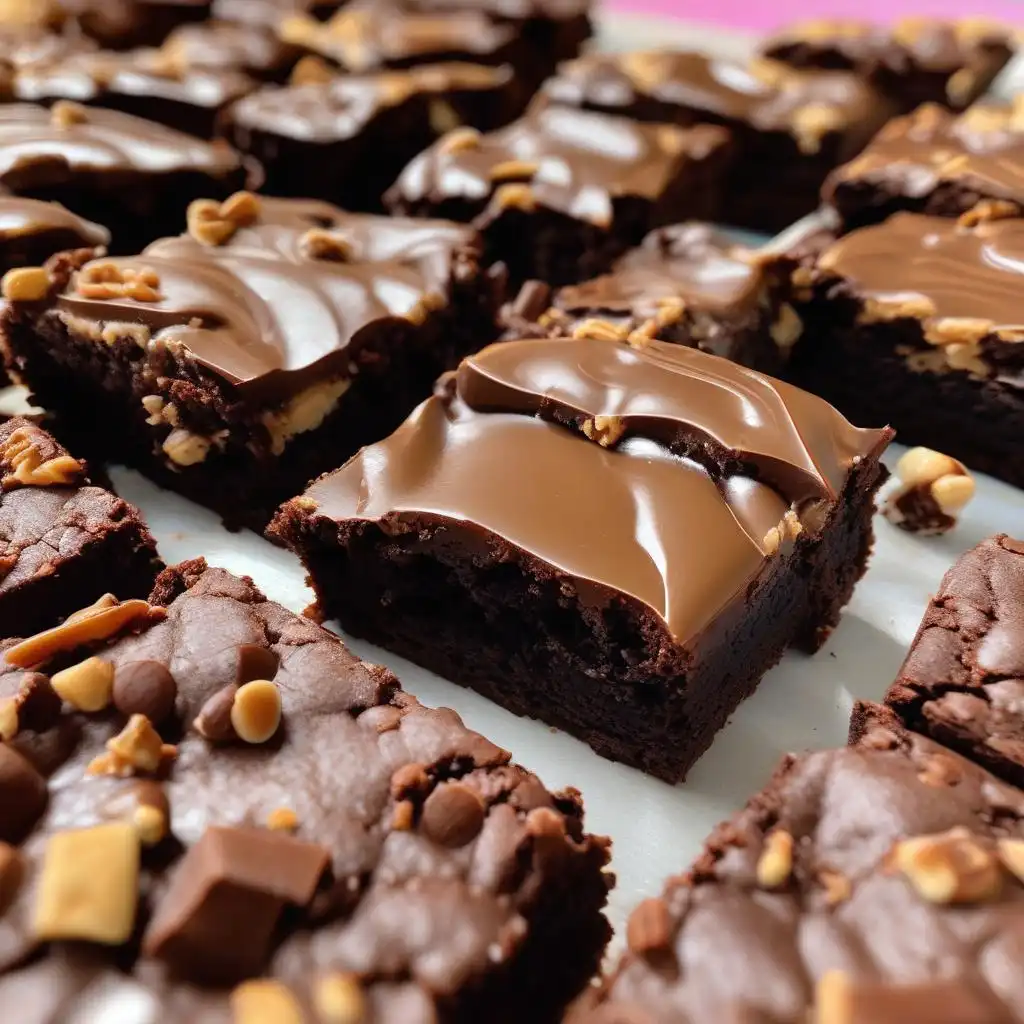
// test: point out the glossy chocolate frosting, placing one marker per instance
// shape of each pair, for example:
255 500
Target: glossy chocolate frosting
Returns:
574 161
671 507
975 273
21 217
265 313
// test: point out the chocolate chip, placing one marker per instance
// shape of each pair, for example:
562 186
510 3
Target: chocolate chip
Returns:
214 718
145 688
255 662
453 814
23 795
39 706
533 300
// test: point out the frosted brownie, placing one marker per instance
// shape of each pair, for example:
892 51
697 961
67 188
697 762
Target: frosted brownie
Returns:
63 542
871 884
789 128
916 322
236 362
619 541
560 194
214 811
31 231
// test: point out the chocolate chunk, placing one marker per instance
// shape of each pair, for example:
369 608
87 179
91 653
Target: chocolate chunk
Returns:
216 919
23 795
39 705
12 872
533 299
145 688
214 718
256 662
453 814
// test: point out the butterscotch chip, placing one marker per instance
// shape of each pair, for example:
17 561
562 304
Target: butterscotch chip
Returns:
262 1001
339 999
88 887
775 864
283 819
87 686
649 929
25 284
138 744
951 867
256 711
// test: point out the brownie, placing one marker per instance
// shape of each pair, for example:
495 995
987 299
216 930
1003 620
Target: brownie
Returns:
962 684
789 128
617 540
135 177
235 363
865 885
23 46
123 24
226 45
149 83
346 139
231 817
934 162
63 542
916 60
915 322
560 194
31 231
687 284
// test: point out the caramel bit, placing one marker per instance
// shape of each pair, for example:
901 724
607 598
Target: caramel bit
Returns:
262 1001
212 223
775 864
88 887
283 819
100 622
256 711
459 140
87 686
595 329
986 210
25 284
26 468
789 528
837 886
509 170
515 196
950 867
339 999
933 489
321 244
649 929
106 280
66 114
605 430
1011 854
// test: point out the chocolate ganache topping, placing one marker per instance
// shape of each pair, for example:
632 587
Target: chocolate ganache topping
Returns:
282 303
658 473
24 217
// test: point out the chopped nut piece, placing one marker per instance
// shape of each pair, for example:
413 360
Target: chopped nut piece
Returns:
787 328
459 140
99 605
65 114
256 711
775 864
106 280
88 887
1011 853
517 196
262 1001
813 121
150 823
772 541
595 329
605 430
27 468
212 223
950 867
25 284
988 209
925 466
511 169
87 686
8 719
283 819
184 448
649 929
837 886
933 489
320 244
138 744
338 999
241 208
108 764
952 493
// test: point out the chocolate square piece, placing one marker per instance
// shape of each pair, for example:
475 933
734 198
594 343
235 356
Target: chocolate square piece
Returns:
917 322
870 884
334 844
789 128
963 681
916 60
560 194
686 284
238 361
63 542
934 162
345 139
617 540
134 177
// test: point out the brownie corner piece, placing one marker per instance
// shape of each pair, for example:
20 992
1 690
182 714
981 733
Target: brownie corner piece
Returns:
561 193
174 362
585 532
962 683
264 822
63 542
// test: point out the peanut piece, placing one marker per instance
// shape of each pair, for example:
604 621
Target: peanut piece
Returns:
262 1001
459 140
87 686
605 430
339 999
184 448
775 864
25 284
138 744
951 867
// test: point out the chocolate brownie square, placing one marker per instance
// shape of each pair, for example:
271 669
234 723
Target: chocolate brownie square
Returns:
879 883
235 363
789 128
123 24
345 138
135 177
31 231
214 811
230 45
934 162
619 541
687 284
560 194
916 60
63 542
916 322
962 684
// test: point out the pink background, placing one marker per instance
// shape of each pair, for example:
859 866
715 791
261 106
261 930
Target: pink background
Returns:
751 14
